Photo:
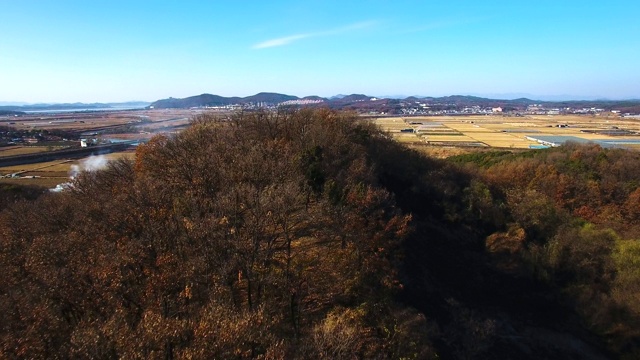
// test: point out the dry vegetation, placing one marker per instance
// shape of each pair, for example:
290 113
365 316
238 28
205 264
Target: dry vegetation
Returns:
312 234
221 242
22 150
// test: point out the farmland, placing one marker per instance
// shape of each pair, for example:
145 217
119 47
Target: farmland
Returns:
473 133
103 122
52 173
44 133
22 150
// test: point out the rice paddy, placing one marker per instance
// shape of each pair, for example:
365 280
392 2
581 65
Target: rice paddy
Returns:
507 132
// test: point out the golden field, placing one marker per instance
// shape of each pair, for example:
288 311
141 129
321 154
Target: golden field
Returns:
499 131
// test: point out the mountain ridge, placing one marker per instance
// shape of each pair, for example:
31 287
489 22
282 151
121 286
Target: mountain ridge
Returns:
358 102
362 101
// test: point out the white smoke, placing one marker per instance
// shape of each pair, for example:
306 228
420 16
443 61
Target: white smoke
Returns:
92 163
75 170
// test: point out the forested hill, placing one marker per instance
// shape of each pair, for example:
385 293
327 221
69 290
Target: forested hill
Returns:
312 235
208 100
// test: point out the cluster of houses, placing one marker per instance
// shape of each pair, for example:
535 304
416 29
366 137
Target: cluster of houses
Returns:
20 137
301 102
419 108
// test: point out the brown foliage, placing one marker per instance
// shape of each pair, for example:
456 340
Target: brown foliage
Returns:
232 239
575 204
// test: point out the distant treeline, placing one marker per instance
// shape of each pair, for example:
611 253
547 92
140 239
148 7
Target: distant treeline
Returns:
10 112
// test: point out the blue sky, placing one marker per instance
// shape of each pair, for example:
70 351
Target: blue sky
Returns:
103 51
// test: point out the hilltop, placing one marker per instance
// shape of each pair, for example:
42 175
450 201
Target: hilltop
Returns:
208 100
310 234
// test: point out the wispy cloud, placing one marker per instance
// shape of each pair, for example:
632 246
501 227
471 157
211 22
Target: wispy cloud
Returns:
286 40
281 41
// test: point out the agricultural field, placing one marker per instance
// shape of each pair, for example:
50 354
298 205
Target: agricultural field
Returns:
55 131
471 133
52 173
24 150
101 121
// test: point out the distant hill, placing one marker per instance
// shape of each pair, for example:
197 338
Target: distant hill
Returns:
313 97
355 97
337 97
217 100
273 98
193 101
416 98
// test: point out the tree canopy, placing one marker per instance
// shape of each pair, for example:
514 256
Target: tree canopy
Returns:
311 234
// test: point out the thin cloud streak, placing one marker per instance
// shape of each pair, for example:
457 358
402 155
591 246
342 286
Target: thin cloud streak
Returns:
281 41
286 40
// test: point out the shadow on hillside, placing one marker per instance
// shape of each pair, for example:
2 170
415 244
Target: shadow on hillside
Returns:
481 311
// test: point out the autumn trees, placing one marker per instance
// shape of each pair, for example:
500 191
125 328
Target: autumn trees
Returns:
575 210
311 234
238 238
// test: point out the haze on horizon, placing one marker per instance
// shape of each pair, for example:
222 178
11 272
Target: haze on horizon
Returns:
74 51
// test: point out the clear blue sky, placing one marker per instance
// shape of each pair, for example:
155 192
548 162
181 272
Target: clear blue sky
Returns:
102 51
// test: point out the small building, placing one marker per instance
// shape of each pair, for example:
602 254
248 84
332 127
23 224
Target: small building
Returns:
87 142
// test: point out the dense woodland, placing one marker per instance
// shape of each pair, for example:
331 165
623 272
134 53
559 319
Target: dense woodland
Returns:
311 234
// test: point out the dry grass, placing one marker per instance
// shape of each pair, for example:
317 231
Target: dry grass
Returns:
454 138
130 154
407 138
23 150
51 165
59 169
47 173
45 182
442 152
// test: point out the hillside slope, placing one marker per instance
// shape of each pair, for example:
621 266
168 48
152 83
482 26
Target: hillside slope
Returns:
311 234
